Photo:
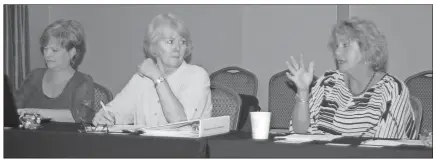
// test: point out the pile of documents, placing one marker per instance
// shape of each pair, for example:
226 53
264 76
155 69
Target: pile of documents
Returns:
186 129
346 140
303 138
393 142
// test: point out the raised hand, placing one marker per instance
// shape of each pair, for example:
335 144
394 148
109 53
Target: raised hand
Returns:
299 75
148 69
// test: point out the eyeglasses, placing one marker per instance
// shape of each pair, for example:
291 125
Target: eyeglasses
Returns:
89 128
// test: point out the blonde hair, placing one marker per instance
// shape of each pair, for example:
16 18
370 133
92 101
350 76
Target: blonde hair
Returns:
371 41
156 29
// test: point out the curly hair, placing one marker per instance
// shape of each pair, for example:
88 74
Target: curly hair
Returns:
70 34
371 41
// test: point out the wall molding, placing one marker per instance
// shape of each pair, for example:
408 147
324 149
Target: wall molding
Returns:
342 12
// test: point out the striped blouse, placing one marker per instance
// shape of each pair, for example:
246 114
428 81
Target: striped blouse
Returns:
382 111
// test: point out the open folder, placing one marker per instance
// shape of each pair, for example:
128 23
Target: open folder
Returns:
188 129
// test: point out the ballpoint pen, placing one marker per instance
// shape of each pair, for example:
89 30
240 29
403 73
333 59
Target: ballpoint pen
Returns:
104 109
103 106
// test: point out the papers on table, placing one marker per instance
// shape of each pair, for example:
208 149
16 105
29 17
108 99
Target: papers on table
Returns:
120 128
186 129
338 140
393 142
191 129
186 132
302 138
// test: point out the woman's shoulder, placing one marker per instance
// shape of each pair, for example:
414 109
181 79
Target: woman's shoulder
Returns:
84 76
38 72
35 76
81 79
391 78
331 74
393 83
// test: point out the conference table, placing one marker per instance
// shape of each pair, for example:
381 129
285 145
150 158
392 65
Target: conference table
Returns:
241 145
59 140
62 140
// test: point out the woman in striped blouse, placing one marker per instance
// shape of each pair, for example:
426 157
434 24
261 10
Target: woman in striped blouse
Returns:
357 99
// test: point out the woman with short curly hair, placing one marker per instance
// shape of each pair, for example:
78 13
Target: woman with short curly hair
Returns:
166 88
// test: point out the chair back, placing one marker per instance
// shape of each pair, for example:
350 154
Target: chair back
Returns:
226 102
281 99
236 78
417 110
101 94
421 86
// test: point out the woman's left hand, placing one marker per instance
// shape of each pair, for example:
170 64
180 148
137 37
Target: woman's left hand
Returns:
148 69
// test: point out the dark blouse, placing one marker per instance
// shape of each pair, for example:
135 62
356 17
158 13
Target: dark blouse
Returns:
77 96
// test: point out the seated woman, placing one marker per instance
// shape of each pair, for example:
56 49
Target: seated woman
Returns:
166 89
358 99
59 91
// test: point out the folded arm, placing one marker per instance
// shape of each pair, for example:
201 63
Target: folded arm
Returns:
192 103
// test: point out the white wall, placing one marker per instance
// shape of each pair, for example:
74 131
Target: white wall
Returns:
408 30
272 33
259 38
114 35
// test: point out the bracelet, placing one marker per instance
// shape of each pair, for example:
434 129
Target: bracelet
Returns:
301 100
158 81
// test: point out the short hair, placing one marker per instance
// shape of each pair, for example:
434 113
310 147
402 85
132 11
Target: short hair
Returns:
371 41
155 31
70 34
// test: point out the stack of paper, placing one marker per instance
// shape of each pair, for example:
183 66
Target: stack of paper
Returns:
393 142
302 138
177 132
187 129
120 128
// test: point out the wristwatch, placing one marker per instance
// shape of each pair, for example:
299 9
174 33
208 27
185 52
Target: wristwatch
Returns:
158 80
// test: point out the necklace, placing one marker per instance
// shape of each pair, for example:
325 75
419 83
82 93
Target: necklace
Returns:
367 85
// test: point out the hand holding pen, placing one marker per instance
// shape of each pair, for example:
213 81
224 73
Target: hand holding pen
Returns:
103 116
